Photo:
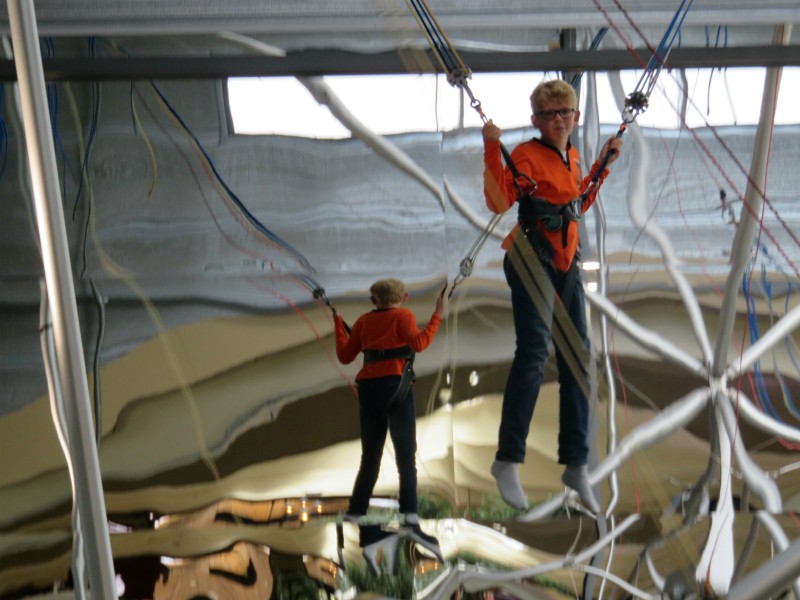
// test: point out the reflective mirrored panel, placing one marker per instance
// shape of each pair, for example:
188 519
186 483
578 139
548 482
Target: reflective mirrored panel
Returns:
254 417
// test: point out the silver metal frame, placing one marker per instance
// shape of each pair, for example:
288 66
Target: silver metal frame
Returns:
71 370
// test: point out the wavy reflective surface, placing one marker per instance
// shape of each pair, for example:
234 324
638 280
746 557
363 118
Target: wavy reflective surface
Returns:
228 431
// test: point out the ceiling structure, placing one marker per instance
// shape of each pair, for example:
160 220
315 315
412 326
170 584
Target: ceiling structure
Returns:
210 359
362 37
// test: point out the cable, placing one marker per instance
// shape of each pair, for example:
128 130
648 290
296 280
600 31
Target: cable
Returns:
457 75
317 291
117 270
98 347
259 226
137 127
304 279
638 100
595 44
767 287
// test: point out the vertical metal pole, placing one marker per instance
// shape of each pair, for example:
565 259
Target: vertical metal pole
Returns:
61 295
741 249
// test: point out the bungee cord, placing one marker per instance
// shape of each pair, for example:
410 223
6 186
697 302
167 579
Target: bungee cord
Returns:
635 104
241 209
305 277
466 264
302 279
457 75
318 293
638 100
452 64
244 210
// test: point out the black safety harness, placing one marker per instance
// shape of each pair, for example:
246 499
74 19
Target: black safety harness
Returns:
552 216
407 377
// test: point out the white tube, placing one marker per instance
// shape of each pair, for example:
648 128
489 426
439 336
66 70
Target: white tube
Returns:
714 571
57 413
777 333
642 217
753 475
649 340
761 420
771 577
675 416
742 242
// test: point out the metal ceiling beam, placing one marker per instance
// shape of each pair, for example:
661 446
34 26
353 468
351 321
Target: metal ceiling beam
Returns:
331 62
210 18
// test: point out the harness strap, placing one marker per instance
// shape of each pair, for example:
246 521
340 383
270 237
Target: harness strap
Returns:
515 172
407 377
552 216
373 356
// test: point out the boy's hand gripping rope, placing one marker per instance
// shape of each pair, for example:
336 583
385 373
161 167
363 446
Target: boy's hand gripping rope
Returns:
318 292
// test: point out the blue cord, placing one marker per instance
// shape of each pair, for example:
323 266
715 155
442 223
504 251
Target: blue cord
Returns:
244 210
752 320
576 80
656 61
768 290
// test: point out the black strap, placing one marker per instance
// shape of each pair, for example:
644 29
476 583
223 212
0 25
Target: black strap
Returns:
552 216
373 356
406 379
514 171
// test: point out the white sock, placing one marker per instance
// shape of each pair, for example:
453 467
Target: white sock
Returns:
577 478
411 519
507 477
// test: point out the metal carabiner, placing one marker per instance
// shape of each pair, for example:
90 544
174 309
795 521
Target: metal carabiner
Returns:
464 271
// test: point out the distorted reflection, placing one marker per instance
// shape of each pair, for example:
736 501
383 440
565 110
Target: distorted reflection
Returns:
205 264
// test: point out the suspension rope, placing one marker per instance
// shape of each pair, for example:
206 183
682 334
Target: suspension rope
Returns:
457 75
746 206
638 100
448 58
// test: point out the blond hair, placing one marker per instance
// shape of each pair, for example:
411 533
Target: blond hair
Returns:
387 292
552 91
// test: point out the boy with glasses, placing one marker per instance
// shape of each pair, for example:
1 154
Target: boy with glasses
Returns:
541 261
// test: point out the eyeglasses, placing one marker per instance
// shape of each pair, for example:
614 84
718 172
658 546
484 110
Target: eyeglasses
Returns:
549 115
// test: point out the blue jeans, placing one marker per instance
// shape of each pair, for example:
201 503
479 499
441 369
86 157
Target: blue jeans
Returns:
377 416
533 334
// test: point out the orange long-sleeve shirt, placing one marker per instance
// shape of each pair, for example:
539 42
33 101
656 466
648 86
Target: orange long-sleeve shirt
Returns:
382 329
559 181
